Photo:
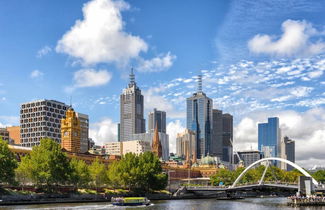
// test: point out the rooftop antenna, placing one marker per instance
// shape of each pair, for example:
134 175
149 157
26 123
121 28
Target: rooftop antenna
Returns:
199 85
132 77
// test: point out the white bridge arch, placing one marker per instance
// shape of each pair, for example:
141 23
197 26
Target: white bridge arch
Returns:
278 159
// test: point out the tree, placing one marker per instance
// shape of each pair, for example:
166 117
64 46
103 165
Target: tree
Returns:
8 163
319 176
97 173
112 174
47 164
224 176
80 175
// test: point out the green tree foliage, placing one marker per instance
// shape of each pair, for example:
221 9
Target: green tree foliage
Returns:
319 176
80 174
8 163
254 175
46 165
138 173
97 173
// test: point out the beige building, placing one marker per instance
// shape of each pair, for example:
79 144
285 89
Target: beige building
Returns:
135 146
14 134
186 145
113 148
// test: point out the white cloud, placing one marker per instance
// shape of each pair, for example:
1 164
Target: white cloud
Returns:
307 129
301 91
173 128
36 74
8 121
100 36
103 131
159 63
43 51
91 78
295 41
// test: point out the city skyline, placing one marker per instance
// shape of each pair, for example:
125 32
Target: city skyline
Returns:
253 75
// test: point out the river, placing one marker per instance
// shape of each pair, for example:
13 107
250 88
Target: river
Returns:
194 204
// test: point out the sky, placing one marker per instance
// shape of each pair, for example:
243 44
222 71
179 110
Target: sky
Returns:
258 59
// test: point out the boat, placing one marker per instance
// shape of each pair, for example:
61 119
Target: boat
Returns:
130 201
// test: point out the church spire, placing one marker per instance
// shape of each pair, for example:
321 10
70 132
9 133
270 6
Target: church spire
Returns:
156 144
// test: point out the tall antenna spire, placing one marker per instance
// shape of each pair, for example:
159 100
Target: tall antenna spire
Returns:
199 84
132 77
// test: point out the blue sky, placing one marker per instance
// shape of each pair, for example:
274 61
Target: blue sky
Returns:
258 59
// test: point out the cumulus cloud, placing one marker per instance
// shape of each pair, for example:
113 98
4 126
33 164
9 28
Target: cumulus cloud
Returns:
43 51
103 131
100 36
159 63
307 129
91 78
36 74
296 40
173 128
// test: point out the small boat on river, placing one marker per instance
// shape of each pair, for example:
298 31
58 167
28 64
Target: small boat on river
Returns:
130 201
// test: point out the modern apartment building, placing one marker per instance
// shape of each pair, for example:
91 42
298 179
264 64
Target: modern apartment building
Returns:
41 119
131 111
199 119
84 125
217 134
227 137
248 157
157 118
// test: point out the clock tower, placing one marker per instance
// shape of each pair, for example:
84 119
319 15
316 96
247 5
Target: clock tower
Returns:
70 132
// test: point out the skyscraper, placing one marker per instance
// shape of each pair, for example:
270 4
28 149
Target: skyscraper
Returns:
217 134
131 111
158 117
227 137
269 136
199 119
84 125
287 152
41 119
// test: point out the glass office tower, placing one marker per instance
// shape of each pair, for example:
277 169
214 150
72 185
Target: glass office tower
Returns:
269 136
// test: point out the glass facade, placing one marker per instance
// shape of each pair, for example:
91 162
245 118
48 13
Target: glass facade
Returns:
269 135
199 120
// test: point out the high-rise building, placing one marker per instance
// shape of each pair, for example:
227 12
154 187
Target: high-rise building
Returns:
217 134
158 117
199 119
186 145
287 152
131 111
4 134
71 132
227 137
84 125
269 135
41 119
14 134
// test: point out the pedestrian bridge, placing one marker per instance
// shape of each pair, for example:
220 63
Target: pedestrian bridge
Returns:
261 184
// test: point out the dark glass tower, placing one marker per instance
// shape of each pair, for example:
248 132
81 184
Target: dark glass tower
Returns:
199 119
269 136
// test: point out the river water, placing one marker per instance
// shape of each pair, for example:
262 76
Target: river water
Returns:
195 204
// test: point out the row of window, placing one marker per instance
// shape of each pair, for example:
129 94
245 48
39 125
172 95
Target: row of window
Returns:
39 134
27 130
43 103
38 119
